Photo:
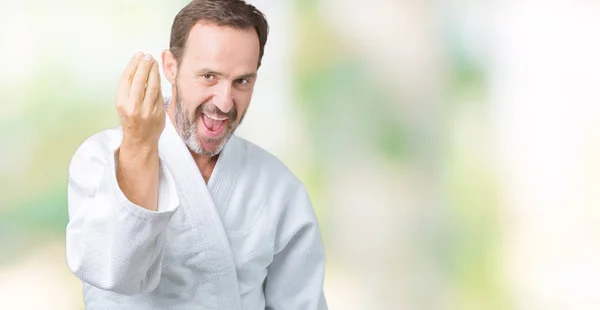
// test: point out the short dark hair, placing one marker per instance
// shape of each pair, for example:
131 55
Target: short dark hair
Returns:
232 13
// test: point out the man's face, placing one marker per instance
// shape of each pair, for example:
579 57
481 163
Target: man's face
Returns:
213 85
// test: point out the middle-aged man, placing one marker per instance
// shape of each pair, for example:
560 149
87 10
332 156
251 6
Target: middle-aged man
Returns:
170 210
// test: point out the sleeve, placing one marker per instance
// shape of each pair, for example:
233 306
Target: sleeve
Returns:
295 277
112 243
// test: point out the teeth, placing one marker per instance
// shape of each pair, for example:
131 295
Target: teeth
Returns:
216 118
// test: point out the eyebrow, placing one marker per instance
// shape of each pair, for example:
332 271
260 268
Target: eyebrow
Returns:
201 72
248 76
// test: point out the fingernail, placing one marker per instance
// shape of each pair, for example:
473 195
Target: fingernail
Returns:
148 57
138 55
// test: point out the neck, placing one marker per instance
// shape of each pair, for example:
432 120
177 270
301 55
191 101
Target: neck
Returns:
206 164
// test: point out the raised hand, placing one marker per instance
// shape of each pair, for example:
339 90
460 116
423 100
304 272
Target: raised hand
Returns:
140 107
140 102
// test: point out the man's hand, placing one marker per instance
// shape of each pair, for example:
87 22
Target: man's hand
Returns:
140 102
140 107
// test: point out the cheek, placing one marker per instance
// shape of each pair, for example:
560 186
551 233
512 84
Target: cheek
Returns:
242 101
193 96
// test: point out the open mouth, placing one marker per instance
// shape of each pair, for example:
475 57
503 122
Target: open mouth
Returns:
214 125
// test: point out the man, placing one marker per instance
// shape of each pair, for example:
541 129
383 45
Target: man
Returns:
170 210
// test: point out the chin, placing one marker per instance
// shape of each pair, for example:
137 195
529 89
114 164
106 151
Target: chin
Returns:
212 149
212 146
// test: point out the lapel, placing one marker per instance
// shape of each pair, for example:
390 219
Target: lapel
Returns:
195 196
225 174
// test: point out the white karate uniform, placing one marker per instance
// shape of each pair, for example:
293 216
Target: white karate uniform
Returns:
248 239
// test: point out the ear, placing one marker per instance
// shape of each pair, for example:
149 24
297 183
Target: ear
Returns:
169 66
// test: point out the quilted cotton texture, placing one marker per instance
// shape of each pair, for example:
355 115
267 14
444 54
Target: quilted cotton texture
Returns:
248 239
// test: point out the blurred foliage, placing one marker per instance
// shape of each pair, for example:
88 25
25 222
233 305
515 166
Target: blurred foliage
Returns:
336 91
470 184
344 113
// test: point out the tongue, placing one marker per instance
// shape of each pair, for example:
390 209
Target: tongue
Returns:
212 124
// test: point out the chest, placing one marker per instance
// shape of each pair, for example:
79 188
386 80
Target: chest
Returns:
249 228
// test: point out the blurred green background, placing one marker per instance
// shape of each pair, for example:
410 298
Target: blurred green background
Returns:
450 148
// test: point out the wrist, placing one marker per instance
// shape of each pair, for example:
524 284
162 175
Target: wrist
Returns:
137 149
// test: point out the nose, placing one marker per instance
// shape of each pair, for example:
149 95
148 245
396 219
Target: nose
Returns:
222 97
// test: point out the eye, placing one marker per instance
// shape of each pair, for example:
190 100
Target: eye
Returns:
208 77
242 81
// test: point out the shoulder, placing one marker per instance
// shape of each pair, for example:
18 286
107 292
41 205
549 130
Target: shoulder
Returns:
100 143
102 140
93 154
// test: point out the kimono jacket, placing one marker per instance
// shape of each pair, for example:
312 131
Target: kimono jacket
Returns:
247 239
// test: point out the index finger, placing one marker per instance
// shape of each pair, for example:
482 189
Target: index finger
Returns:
140 79
153 89
128 73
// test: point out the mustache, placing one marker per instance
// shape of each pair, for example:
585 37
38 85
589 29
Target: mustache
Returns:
210 108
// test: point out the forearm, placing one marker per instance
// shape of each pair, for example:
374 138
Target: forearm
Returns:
120 203
138 175
113 243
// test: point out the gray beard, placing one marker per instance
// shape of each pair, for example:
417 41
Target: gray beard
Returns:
189 132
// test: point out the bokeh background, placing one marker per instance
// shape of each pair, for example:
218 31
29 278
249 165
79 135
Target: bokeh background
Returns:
451 148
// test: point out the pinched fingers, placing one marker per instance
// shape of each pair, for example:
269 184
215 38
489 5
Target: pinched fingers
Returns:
127 76
140 79
152 89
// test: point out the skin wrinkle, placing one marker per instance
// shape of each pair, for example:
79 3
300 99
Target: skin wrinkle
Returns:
188 127
218 69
